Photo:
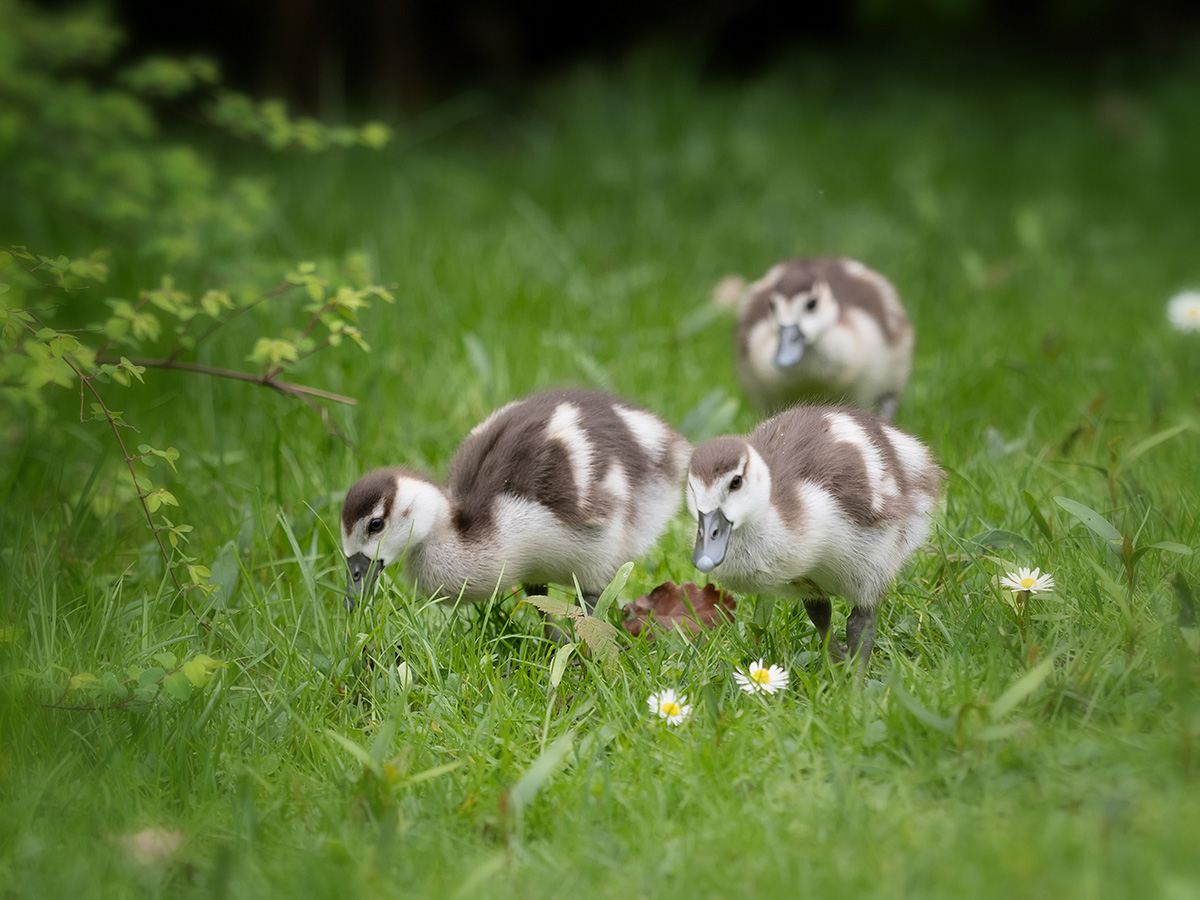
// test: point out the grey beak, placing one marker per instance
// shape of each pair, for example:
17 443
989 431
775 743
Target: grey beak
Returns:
712 539
361 578
791 346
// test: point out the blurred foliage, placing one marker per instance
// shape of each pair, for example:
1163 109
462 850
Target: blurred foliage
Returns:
81 141
83 158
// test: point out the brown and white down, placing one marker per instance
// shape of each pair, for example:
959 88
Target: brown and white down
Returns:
827 330
562 485
817 502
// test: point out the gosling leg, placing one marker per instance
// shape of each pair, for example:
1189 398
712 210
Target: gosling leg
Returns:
860 635
820 612
888 404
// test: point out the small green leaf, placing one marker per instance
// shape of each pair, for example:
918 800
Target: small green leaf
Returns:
166 659
112 688
198 573
135 371
1095 522
177 685
82 680
195 672
559 666
150 676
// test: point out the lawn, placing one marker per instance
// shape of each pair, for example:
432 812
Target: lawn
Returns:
1035 223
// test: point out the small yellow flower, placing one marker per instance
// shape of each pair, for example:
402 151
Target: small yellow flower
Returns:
1030 581
1183 311
761 679
669 706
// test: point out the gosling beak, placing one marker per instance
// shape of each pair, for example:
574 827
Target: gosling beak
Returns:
361 578
791 346
712 538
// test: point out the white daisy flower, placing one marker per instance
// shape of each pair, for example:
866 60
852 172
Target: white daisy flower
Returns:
669 706
1183 311
762 679
1031 581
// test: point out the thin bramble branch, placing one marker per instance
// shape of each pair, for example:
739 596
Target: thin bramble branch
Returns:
284 387
87 371
86 381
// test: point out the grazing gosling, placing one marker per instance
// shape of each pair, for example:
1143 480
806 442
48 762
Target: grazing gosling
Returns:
828 330
817 501
563 485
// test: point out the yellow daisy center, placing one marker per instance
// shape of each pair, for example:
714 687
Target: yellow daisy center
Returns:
670 708
1028 582
1193 312
762 676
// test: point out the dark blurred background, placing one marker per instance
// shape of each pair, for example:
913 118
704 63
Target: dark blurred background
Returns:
403 54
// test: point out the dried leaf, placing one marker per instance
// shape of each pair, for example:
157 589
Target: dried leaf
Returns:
667 607
553 607
600 638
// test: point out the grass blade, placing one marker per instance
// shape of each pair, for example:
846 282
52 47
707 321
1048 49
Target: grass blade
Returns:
1022 688
614 588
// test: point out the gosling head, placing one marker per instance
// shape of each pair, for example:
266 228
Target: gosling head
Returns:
728 484
384 513
803 309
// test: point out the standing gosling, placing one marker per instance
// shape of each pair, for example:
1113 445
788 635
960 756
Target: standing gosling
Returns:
828 330
563 485
817 501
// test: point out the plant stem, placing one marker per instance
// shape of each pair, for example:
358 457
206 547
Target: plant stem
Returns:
284 387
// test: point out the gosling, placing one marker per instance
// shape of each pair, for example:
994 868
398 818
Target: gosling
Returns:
817 502
823 330
561 486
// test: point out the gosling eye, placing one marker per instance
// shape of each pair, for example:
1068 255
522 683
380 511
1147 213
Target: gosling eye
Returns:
375 526
735 482
811 304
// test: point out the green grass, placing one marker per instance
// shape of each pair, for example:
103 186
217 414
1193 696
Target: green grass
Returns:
1035 227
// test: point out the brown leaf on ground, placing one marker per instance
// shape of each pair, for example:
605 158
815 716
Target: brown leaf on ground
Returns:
667 607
